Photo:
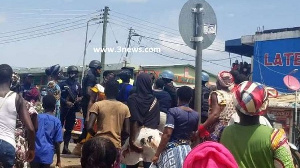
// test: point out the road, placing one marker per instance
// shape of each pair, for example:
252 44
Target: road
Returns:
68 161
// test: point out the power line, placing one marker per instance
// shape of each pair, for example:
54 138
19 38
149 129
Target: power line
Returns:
187 53
183 59
139 23
144 28
113 33
139 30
93 35
45 9
177 31
41 29
143 20
42 35
30 28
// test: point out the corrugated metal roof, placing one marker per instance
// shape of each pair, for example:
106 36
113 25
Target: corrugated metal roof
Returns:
284 101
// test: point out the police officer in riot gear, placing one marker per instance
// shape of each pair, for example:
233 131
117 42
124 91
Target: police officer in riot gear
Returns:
70 104
89 81
167 76
204 98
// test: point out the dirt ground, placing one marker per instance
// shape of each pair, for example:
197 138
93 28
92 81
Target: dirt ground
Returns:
68 161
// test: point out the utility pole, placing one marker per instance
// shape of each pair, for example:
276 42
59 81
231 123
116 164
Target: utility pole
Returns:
128 44
105 18
198 40
85 46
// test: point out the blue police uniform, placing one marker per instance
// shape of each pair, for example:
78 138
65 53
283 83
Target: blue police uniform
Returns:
68 115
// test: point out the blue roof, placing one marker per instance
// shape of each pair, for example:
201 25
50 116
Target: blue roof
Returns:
236 46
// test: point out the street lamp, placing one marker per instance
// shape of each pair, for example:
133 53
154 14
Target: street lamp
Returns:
85 46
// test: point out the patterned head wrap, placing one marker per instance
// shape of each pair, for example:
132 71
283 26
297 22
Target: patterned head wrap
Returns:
225 79
251 98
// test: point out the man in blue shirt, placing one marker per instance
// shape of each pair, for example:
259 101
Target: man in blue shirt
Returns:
125 87
48 136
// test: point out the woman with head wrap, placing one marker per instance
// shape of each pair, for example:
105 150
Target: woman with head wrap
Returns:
54 73
221 109
31 96
253 144
210 155
144 136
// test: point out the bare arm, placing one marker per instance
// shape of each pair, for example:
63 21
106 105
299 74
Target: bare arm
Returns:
126 126
93 97
25 118
215 111
164 140
134 128
91 122
34 121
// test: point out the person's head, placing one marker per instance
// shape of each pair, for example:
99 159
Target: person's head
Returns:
144 84
49 102
32 96
95 67
250 100
5 74
130 69
167 76
15 81
28 79
238 77
111 89
224 80
185 95
72 72
108 75
125 75
54 72
159 84
204 78
98 152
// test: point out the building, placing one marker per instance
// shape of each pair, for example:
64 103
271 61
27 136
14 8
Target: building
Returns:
274 53
184 73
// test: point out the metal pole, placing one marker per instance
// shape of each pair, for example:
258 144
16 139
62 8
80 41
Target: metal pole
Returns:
104 40
296 116
198 39
84 54
128 44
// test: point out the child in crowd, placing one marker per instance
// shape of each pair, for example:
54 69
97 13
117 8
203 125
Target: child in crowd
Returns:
48 136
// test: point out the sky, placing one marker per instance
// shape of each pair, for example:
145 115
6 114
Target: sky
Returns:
40 33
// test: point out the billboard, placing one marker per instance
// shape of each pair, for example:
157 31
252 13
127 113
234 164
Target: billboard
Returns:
274 59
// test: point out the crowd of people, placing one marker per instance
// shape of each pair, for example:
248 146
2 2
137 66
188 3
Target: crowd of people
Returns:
146 121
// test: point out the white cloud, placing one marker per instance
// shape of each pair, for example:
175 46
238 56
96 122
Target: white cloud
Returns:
2 19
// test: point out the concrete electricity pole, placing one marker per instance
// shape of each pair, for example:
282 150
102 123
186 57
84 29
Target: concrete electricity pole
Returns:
105 17
198 40
128 44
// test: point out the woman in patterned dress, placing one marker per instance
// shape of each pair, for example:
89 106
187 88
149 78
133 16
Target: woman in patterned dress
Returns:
181 122
31 97
53 88
221 109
